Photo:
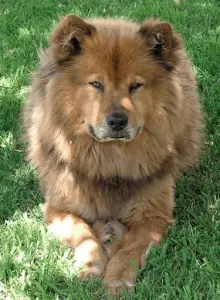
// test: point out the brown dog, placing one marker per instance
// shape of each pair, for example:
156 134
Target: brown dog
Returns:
112 118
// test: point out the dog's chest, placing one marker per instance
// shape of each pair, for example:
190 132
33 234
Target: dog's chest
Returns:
104 199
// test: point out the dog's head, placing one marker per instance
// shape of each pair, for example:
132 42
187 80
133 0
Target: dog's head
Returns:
113 76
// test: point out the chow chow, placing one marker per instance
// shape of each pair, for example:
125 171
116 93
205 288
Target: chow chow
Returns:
112 118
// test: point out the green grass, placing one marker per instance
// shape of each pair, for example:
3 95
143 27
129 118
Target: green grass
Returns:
32 264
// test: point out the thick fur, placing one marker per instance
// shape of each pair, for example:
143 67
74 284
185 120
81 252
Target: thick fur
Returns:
98 188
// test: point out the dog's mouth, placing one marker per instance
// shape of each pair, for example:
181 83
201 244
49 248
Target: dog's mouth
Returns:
108 136
103 135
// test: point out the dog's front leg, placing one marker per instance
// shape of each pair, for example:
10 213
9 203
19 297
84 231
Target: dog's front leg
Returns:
148 218
80 236
121 271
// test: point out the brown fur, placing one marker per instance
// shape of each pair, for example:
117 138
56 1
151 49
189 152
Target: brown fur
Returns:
95 189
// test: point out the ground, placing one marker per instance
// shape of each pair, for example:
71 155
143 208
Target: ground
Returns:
32 264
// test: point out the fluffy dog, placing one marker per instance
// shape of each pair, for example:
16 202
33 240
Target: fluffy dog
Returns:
112 118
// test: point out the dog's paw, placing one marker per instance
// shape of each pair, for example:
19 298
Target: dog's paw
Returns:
116 287
120 275
90 260
92 271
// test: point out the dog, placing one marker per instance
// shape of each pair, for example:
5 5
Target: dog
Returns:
112 118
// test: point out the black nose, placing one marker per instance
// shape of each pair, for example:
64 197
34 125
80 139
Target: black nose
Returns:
117 121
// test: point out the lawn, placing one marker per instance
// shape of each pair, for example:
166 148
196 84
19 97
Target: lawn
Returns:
32 264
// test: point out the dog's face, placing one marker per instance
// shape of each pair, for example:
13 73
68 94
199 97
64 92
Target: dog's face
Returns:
116 91
112 75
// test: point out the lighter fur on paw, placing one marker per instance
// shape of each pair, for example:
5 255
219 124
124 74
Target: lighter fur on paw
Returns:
92 271
88 256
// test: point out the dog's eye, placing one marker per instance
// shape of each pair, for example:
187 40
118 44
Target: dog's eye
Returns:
134 86
96 84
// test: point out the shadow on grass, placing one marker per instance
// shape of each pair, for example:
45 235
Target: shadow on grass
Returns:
19 189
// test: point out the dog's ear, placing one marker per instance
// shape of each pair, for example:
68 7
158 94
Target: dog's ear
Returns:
161 40
67 38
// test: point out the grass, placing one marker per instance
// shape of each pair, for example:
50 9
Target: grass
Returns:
32 264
